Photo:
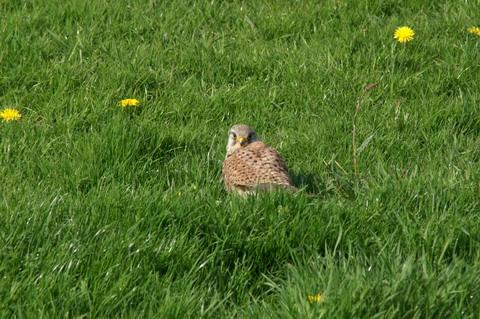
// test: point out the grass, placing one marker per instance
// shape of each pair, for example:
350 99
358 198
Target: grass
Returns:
104 213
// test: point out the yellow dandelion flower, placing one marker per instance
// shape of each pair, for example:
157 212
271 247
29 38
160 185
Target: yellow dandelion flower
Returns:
404 34
9 114
129 102
474 30
316 298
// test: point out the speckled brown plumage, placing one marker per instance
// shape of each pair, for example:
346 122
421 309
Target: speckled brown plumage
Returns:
255 166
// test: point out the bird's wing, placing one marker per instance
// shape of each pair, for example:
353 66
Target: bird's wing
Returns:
254 165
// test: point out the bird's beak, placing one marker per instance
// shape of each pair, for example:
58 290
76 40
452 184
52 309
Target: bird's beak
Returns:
241 140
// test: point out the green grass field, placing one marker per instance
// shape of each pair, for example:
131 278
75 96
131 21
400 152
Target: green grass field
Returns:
110 213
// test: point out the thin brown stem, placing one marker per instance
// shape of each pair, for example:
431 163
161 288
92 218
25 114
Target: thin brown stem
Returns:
354 125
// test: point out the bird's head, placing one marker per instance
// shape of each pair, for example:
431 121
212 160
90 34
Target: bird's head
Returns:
240 135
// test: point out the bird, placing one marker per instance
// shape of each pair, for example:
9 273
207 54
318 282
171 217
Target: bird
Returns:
251 165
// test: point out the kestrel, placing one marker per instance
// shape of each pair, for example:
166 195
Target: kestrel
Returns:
251 165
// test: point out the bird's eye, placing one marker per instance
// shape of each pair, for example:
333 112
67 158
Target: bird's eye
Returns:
251 136
233 134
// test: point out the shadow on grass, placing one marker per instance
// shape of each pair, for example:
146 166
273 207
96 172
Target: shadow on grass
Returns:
333 183
137 157
159 149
